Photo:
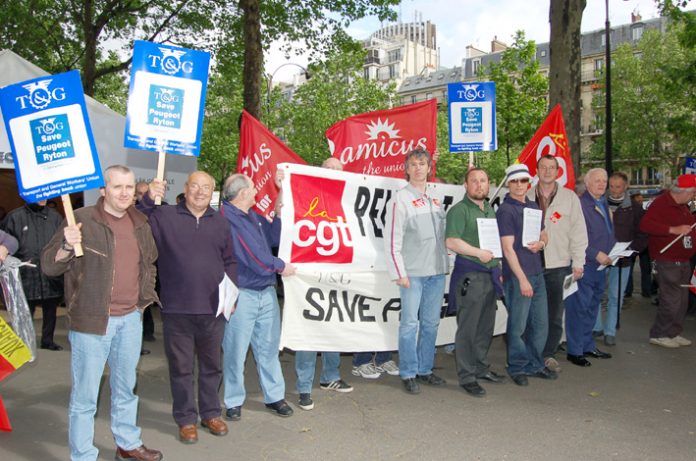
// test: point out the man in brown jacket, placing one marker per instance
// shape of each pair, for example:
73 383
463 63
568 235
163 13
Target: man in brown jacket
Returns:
106 291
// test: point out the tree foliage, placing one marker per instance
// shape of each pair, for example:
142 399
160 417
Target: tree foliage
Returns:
336 90
520 95
654 113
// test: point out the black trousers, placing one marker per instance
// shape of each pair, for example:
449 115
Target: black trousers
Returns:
49 307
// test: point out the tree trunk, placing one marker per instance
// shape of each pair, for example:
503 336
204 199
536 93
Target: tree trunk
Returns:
564 73
253 57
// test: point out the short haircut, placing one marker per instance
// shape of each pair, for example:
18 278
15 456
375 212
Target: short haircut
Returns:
619 174
234 184
417 154
466 175
548 157
118 168
212 180
593 171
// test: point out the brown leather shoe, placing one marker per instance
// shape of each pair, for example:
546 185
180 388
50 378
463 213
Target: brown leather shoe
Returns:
140 453
188 433
216 426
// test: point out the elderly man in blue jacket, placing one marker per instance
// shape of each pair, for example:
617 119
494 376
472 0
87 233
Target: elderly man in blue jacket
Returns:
257 318
582 306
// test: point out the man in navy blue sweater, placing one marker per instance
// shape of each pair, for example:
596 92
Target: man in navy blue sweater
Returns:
195 253
257 318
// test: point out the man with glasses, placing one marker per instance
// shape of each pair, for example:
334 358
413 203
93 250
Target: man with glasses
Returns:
195 253
565 253
523 280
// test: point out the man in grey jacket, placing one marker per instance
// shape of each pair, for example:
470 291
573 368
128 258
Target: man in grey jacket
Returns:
417 262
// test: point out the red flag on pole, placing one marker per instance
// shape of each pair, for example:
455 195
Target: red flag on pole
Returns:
376 143
550 139
259 153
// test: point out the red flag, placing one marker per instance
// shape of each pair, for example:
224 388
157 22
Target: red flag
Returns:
259 153
692 288
550 139
376 143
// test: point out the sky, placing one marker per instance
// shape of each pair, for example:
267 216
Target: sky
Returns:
476 22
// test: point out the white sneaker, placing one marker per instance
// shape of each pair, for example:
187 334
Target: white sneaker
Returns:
665 342
552 364
388 367
366 370
682 341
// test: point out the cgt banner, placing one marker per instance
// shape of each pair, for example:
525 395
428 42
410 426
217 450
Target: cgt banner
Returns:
341 298
166 98
50 137
376 143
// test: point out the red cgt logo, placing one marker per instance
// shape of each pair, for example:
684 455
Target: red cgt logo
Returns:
320 231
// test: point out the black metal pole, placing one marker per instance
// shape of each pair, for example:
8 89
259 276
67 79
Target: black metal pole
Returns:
607 122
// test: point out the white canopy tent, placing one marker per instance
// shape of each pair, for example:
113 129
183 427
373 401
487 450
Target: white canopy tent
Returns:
107 128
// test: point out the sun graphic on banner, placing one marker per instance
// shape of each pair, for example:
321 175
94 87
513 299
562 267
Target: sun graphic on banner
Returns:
380 128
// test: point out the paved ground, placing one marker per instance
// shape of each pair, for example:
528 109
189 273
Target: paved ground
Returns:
640 405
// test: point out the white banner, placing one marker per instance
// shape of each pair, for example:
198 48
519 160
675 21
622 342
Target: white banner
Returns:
342 299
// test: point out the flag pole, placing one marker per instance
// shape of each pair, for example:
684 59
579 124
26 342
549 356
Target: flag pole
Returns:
160 173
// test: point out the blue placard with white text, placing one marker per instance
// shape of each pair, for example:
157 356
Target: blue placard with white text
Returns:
50 137
472 117
690 165
166 99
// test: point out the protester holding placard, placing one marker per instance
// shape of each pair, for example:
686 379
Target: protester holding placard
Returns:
195 255
523 279
475 284
106 289
417 261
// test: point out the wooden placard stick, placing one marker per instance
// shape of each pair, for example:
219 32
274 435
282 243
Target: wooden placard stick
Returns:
160 173
70 217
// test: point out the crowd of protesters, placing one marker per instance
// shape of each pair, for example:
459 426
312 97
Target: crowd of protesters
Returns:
192 248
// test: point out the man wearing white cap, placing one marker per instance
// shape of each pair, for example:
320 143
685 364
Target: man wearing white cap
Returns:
523 279
667 219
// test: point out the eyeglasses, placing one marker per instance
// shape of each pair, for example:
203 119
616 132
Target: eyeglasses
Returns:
196 187
519 181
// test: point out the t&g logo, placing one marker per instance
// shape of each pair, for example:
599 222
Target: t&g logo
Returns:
471 93
170 62
40 95
49 126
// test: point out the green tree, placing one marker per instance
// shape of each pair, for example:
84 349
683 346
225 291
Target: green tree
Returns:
336 90
520 94
304 22
654 114
61 35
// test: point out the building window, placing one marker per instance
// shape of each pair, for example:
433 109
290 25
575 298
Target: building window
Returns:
428 96
636 33
604 39
366 71
637 176
543 53
394 55
413 99
598 64
392 71
477 66
654 176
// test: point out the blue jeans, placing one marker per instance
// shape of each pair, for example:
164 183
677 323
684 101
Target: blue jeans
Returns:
305 364
581 310
257 322
609 326
527 326
420 317
120 348
361 358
